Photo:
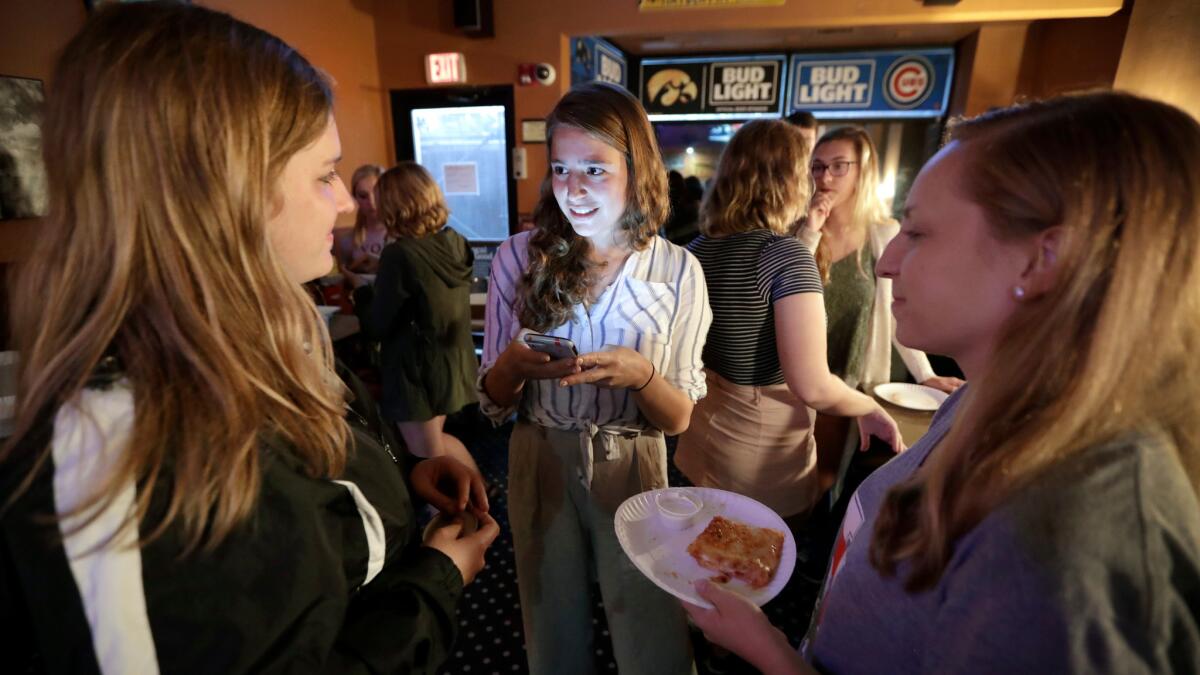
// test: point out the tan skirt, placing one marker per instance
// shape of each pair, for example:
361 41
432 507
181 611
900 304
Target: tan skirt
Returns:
755 441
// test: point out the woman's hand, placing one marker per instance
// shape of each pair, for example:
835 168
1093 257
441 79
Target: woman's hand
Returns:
351 277
449 485
467 552
740 626
617 368
818 210
526 364
881 425
946 384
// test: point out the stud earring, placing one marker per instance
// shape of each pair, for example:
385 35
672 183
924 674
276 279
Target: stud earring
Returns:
1018 292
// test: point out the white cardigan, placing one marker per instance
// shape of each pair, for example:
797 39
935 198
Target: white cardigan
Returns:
881 329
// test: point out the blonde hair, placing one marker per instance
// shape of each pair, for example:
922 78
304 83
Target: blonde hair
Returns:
360 223
410 202
868 210
761 181
559 272
166 134
1113 345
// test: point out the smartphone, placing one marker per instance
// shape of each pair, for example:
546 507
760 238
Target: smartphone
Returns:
556 347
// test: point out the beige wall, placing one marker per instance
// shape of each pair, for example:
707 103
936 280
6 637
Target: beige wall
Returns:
1071 55
1161 57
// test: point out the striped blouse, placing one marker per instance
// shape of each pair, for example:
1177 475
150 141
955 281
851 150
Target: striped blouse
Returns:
658 306
748 273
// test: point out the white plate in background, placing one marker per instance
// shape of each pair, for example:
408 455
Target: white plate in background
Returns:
911 396
660 552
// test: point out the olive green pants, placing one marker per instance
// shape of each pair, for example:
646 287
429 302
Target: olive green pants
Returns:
564 539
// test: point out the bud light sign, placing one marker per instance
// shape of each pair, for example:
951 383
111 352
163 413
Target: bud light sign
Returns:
872 84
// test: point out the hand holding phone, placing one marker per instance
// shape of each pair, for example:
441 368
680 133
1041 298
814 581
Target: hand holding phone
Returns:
557 348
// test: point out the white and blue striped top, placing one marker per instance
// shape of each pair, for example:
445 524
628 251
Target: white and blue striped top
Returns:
658 305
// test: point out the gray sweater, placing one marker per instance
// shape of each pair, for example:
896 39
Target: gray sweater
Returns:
1093 568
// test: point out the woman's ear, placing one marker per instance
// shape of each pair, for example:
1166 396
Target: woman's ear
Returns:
1041 276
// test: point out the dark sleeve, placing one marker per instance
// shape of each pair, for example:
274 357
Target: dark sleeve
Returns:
16 639
403 621
786 267
378 306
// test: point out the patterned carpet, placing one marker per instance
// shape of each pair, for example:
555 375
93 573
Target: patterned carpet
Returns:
491 639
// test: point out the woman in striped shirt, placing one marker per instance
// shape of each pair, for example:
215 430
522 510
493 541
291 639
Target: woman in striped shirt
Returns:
590 428
765 354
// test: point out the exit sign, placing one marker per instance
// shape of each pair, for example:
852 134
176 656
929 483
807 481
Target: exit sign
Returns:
448 68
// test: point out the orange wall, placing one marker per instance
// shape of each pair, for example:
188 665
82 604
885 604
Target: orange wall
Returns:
337 36
31 35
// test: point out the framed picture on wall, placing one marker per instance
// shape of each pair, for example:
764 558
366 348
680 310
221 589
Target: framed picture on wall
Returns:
22 173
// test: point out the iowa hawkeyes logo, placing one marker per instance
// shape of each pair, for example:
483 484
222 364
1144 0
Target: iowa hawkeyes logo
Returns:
668 87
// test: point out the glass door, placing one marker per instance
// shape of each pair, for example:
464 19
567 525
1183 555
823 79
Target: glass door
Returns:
464 137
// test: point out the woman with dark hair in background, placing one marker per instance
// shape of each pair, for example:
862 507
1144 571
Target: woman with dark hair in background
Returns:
589 430
189 487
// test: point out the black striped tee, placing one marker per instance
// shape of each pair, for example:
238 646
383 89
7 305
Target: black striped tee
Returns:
747 273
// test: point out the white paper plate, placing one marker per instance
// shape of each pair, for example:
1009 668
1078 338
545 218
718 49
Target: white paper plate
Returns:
911 396
661 552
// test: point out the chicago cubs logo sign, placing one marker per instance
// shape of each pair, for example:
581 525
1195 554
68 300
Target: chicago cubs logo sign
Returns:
908 82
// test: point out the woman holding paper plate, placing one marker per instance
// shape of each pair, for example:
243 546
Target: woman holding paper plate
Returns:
594 277
1049 521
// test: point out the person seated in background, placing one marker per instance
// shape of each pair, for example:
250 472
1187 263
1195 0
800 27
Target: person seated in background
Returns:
1049 520
765 353
189 488
358 249
419 310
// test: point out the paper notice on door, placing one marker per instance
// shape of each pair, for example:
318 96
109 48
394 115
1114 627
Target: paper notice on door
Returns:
461 178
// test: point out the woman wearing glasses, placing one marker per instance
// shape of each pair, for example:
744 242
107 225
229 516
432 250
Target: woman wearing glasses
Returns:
845 217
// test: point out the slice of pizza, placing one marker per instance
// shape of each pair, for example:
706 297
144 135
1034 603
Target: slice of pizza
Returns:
738 550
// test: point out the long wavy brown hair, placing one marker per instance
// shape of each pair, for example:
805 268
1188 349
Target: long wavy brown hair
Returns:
410 202
1110 350
868 209
167 129
559 273
762 181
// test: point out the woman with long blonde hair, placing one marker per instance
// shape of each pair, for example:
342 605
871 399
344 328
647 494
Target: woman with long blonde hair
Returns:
589 432
420 311
848 227
765 354
189 487
1049 521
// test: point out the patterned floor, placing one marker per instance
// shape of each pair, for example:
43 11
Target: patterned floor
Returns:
491 639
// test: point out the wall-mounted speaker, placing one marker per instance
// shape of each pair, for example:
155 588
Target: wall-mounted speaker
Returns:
474 18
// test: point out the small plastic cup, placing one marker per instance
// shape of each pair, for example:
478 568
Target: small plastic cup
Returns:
678 508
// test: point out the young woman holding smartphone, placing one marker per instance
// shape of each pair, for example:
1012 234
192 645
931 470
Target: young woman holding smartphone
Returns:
589 430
